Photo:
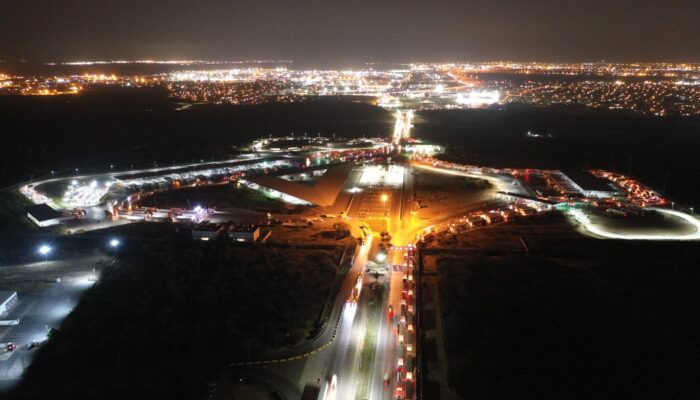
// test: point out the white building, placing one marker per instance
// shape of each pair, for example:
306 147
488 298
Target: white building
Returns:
7 299
43 215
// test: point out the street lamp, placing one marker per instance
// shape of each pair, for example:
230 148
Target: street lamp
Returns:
114 243
384 199
44 250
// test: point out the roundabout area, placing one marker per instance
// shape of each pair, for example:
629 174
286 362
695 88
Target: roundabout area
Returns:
663 224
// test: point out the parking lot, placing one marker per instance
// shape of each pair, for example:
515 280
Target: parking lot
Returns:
47 292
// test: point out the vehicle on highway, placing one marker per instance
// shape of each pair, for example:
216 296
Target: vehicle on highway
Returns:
9 347
355 294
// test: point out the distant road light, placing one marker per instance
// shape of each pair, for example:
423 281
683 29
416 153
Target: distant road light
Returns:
44 249
114 243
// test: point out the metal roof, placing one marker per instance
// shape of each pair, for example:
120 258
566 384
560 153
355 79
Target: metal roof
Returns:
323 193
42 212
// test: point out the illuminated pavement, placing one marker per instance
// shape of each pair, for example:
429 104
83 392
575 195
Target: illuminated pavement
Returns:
38 312
601 231
387 342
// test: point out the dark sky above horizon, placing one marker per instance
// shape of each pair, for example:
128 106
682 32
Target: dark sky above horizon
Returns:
348 33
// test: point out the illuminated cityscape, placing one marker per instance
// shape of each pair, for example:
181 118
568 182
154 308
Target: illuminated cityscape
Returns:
653 89
328 200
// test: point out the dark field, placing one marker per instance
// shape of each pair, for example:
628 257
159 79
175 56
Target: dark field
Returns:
171 314
139 126
577 318
658 151
215 196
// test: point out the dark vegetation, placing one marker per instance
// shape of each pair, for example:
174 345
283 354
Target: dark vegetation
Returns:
578 319
118 126
658 151
12 213
434 182
172 313
214 196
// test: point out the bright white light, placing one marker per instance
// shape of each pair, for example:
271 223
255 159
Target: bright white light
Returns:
114 243
600 231
374 174
44 249
381 257
477 98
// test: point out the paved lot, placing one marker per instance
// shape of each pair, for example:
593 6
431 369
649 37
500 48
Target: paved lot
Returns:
47 292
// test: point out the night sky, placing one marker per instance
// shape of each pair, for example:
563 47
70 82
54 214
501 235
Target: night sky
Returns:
349 33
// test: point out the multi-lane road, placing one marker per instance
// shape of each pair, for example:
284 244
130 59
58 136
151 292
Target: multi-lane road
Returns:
360 351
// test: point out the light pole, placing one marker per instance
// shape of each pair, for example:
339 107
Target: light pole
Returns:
386 216
44 250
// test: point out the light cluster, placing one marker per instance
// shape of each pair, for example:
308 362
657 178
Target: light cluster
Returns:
650 97
650 88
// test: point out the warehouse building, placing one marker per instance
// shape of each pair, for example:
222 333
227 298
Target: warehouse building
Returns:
590 185
43 215
7 299
244 233
206 230
323 193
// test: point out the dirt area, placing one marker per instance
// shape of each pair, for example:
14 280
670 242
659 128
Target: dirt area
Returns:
215 196
439 194
430 263
309 235
536 231
38 276
576 317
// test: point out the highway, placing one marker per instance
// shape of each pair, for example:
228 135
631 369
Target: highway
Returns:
402 127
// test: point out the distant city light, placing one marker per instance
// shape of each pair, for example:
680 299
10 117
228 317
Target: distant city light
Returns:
476 98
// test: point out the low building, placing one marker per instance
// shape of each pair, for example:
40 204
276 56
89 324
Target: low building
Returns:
7 300
323 193
206 230
43 215
590 185
244 233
